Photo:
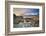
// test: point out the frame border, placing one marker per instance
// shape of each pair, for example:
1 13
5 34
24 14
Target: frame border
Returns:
7 20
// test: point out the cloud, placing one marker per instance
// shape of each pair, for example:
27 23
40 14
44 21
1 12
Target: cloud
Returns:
31 14
26 11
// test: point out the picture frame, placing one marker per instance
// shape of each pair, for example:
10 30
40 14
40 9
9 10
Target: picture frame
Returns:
11 6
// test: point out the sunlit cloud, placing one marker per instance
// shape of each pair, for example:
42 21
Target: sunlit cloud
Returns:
26 11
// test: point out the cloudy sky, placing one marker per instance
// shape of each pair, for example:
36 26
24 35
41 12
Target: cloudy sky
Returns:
26 11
